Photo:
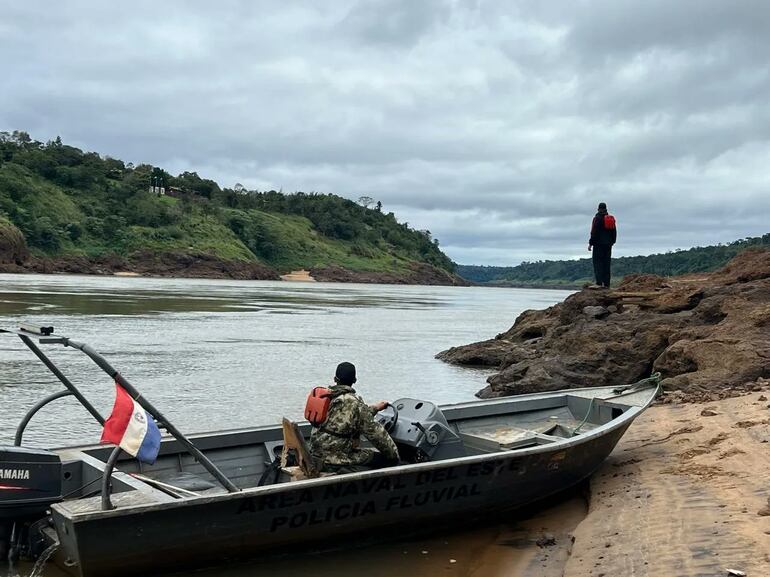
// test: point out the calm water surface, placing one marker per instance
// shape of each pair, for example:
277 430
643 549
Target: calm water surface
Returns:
218 354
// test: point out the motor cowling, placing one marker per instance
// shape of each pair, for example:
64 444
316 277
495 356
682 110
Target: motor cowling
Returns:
422 433
30 481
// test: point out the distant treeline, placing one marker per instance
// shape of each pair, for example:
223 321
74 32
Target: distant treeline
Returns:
67 201
558 272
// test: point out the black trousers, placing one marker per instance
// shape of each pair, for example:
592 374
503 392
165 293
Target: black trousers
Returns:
602 255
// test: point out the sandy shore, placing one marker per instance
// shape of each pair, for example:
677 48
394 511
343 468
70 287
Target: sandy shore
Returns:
298 276
680 495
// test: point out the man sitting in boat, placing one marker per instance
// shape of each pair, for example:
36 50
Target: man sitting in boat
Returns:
335 440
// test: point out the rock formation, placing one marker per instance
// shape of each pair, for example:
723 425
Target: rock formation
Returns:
707 334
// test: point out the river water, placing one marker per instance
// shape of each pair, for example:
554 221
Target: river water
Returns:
217 354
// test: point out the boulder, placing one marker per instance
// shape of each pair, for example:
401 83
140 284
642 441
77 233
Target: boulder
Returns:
484 354
596 312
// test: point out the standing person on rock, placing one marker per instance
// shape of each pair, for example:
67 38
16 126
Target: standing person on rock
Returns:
603 235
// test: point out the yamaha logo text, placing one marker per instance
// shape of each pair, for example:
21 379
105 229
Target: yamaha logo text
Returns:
14 474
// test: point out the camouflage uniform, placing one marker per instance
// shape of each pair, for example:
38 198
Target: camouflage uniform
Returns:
335 444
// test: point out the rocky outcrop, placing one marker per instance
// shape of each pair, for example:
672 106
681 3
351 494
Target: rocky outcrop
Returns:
418 273
707 334
13 246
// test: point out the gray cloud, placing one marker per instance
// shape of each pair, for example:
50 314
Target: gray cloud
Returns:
498 126
398 23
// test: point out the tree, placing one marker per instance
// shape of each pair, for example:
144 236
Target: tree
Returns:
365 201
21 137
67 201
191 182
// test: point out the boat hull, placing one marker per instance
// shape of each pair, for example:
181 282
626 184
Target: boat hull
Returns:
315 513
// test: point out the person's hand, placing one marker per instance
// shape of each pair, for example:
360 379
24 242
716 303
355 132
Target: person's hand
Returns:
379 406
589 248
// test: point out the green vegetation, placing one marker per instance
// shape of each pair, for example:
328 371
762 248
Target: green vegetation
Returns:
573 272
69 202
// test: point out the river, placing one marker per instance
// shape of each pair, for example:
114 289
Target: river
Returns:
217 354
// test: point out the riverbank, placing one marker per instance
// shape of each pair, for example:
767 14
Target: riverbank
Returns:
684 493
201 265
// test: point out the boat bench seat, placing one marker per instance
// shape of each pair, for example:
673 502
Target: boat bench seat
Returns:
486 445
494 438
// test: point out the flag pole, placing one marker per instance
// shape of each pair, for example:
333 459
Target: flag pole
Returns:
63 379
102 363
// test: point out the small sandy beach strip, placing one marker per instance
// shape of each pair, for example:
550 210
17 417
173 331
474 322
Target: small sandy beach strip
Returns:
298 276
685 493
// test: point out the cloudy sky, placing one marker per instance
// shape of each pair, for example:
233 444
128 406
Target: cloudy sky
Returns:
497 125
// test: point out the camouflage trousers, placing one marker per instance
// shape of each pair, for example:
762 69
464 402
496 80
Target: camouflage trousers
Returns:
362 460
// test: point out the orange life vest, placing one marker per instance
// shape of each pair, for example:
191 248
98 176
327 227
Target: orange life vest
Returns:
317 405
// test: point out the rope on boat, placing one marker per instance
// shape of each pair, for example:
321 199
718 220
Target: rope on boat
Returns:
583 422
653 380
37 568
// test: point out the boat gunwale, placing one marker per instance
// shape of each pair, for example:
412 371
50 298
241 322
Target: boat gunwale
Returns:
500 401
625 419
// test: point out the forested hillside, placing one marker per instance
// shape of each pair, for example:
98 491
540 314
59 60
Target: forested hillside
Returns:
572 272
71 203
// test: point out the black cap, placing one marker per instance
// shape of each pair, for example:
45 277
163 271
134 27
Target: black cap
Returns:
346 374
602 206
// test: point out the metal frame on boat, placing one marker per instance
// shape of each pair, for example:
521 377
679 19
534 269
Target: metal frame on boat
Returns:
204 500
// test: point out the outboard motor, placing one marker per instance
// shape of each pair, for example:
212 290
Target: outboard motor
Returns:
30 481
421 431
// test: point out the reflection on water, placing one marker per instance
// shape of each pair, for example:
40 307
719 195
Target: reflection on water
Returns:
217 354
94 296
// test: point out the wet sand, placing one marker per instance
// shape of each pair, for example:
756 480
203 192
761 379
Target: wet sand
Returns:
680 495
